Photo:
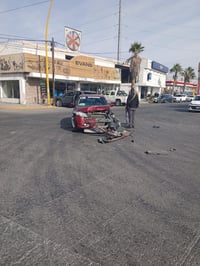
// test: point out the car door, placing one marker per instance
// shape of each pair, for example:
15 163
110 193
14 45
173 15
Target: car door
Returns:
68 98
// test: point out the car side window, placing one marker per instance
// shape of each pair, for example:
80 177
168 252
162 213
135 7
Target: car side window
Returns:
70 93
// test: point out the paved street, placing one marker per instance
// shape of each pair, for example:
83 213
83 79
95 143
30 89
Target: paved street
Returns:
66 199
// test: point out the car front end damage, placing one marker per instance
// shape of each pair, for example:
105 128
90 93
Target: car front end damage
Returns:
94 121
93 115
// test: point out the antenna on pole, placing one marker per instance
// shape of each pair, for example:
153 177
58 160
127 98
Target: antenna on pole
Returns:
119 31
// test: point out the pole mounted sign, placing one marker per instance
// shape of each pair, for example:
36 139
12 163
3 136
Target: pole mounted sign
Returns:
72 39
198 91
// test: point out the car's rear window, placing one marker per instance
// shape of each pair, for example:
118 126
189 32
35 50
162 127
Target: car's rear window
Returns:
89 101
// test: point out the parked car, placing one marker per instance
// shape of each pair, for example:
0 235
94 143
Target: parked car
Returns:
190 97
180 98
117 97
90 111
195 104
155 99
69 98
164 98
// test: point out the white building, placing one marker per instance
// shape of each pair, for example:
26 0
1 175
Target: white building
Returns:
152 79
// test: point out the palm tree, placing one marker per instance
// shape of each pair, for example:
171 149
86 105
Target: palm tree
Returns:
135 61
176 69
188 74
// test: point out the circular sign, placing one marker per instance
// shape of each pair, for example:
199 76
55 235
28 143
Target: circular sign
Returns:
73 40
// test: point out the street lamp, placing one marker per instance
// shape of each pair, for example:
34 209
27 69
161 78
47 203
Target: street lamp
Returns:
46 52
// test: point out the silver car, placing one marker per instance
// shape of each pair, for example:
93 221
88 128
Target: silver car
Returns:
194 106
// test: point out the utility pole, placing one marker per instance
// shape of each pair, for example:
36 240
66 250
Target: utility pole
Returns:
119 32
53 68
46 52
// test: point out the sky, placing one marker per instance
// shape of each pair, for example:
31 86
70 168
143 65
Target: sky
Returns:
168 30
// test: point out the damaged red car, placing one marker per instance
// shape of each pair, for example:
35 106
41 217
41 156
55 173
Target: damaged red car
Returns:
91 113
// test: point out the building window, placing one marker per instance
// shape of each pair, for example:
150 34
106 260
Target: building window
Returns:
10 89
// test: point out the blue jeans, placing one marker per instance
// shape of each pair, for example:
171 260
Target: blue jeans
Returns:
131 117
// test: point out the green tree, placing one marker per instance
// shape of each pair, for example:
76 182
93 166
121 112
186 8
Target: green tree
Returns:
176 69
188 74
135 61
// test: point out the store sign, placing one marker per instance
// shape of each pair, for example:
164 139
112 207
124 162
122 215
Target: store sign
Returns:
82 63
157 66
72 39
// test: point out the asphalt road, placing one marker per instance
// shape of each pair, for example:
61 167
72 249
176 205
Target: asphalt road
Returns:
66 199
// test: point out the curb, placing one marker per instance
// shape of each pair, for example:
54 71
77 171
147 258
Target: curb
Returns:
26 107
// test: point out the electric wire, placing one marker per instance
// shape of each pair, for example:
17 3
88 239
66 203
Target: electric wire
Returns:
102 18
22 7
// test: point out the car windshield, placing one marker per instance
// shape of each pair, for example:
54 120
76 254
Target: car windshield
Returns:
89 101
197 98
122 93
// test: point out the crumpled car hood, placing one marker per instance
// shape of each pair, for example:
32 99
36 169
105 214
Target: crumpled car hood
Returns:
95 108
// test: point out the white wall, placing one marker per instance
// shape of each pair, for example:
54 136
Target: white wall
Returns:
158 79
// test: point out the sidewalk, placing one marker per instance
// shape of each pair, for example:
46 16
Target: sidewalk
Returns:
13 106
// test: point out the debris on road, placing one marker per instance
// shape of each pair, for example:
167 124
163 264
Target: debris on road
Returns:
111 136
162 152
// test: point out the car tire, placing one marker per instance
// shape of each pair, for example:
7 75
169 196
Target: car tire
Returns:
118 102
58 103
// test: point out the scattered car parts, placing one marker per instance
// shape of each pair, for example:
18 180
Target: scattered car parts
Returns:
92 114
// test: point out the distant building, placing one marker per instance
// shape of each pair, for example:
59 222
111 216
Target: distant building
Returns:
152 78
179 86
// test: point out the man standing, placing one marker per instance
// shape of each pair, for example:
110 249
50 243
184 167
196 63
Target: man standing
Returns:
131 106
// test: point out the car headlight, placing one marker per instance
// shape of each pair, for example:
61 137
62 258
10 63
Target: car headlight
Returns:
81 114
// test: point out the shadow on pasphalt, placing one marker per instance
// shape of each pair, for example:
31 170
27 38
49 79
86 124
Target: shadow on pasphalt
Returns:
66 124
180 107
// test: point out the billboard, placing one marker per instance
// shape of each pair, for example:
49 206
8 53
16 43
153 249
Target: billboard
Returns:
72 39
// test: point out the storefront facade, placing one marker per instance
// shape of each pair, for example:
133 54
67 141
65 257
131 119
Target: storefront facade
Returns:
180 87
23 73
152 78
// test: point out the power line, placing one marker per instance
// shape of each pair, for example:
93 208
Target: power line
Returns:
22 7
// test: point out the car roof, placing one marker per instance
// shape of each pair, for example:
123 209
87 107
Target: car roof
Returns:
88 92
91 95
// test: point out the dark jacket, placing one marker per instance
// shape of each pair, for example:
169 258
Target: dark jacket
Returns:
132 101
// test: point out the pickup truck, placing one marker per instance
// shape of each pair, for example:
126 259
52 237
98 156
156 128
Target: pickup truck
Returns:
116 97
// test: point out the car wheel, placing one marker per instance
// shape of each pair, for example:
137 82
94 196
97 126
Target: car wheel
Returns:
58 103
118 102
